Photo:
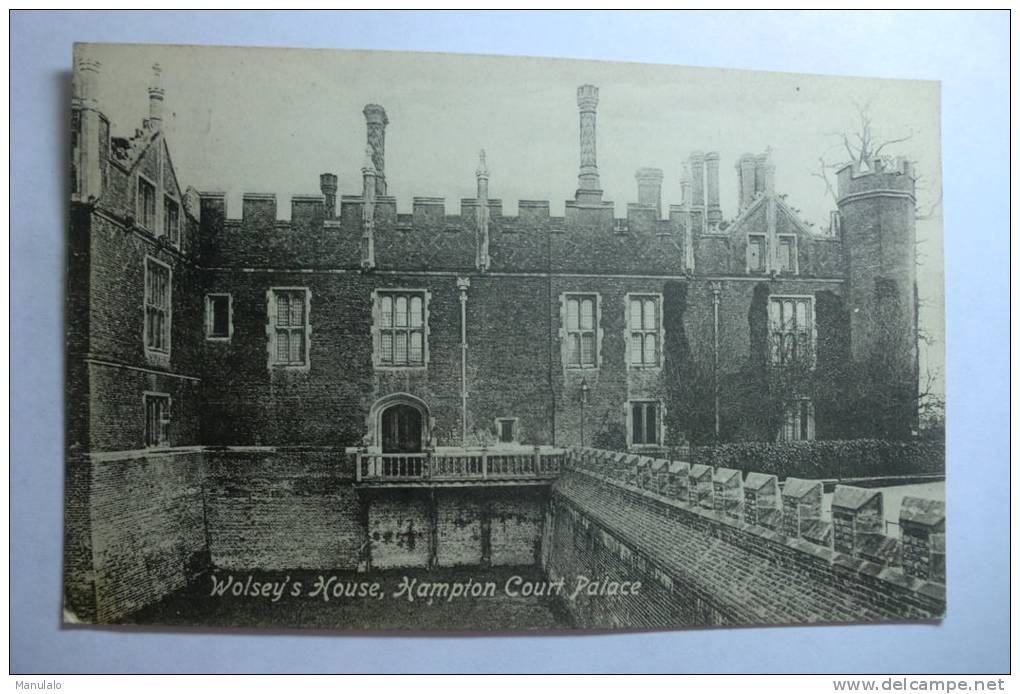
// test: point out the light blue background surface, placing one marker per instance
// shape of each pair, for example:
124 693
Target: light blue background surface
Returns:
968 52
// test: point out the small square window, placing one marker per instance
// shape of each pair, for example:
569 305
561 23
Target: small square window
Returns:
146 204
644 423
172 220
506 430
218 318
756 253
788 254
798 421
157 420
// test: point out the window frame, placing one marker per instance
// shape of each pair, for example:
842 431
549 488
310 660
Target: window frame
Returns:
660 423
792 416
272 328
763 258
515 424
140 204
210 318
169 309
378 329
174 234
794 256
659 331
812 331
165 419
565 332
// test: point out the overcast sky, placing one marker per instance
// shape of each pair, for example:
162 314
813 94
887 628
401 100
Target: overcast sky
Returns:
271 120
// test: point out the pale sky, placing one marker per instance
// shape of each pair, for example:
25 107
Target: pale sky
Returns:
271 120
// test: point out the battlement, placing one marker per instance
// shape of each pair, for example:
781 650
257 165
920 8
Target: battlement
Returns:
430 213
882 176
853 534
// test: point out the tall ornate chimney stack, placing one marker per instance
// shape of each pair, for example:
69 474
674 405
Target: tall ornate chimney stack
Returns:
376 122
156 98
588 187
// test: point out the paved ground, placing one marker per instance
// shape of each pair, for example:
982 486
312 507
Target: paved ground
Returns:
197 606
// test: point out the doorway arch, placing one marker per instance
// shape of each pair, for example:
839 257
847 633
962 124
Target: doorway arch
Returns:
400 423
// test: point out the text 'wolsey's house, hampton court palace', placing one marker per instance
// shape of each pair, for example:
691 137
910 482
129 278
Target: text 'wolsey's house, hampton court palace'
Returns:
356 388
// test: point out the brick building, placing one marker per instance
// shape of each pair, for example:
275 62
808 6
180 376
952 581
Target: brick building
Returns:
193 327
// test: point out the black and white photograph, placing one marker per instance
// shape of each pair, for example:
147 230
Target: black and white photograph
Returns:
373 341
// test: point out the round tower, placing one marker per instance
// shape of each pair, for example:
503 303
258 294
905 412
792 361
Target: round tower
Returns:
877 222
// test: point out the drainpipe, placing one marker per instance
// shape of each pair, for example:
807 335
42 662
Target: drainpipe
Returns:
716 290
462 284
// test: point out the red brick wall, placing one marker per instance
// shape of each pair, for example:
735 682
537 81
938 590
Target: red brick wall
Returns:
459 528
399 530
148 532
697 568
516 523
282 510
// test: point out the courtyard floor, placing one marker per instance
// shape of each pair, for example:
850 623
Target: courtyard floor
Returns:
310 599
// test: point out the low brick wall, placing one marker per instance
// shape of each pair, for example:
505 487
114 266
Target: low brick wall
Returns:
282 509
699 567
147 535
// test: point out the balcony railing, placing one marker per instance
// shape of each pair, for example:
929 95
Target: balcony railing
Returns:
459 465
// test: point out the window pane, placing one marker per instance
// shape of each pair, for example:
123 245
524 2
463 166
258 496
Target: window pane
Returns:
572 314
297 309
416 348
399 347
400 312
416 312
651 345
636 346
587 349
785 254
506 430
635 314
386 347
282 347
297 347
756 254
651 423
775 316
574 349
802 320
282 309
220 307
649 306
788 313
587 314
637 423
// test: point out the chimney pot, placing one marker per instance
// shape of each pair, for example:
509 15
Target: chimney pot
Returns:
328 186
649 183
156 98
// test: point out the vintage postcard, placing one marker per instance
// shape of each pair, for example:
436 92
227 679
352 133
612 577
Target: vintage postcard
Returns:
396 341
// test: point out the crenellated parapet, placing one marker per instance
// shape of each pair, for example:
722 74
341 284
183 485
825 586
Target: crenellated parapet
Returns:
854 532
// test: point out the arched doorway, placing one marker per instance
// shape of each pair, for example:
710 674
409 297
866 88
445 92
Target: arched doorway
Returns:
399 423
402 427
